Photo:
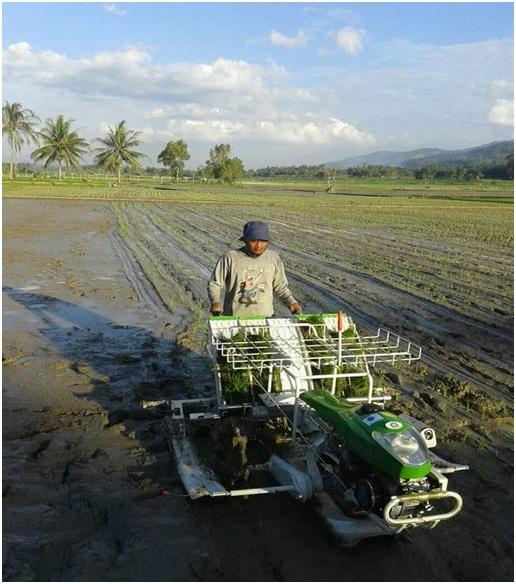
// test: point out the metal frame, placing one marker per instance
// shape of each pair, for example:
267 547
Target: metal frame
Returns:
321 349
296 348
309 345
418 498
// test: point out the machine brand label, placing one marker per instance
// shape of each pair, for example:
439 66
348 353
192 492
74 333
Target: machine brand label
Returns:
372 419
394 425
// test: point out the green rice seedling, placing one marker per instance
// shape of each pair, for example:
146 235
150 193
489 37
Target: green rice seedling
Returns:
265 349
241 385
344 386
236 384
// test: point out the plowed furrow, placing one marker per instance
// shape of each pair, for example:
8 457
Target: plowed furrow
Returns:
187 240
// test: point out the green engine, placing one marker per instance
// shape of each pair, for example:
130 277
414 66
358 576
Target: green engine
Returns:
379 438
380 456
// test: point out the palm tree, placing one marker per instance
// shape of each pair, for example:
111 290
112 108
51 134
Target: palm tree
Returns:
117 150
19 124
60 144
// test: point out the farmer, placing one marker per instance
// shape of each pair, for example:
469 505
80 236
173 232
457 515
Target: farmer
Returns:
244 280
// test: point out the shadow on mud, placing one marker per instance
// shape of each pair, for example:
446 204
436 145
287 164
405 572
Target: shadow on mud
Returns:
83 503
123 364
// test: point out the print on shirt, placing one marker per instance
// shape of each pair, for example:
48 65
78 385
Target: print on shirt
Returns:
251 287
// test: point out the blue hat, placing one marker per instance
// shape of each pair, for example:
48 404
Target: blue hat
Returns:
255 230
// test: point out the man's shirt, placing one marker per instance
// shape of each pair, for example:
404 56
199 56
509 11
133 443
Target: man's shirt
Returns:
246 284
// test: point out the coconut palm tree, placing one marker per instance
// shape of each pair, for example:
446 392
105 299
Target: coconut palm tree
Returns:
117 150
61 144
19 125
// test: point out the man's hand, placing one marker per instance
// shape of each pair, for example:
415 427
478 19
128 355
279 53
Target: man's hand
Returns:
217 308
295 308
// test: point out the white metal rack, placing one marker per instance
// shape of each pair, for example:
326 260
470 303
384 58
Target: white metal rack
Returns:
305 352
315 345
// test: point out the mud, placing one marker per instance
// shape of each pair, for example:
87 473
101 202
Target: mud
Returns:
104 307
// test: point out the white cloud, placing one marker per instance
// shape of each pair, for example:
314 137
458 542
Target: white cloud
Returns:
196 90
126 57
21 56
185 109
440 91
221 74
502 113
130 73
113 9
278 38
449 96
350 39
19 49
303 95
157 112
207 130
501 87
276 72
293 130
146 134
313 131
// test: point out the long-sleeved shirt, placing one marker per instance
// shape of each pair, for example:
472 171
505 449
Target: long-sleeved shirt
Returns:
246 284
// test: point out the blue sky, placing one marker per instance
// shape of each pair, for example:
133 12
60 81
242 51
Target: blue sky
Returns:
283 83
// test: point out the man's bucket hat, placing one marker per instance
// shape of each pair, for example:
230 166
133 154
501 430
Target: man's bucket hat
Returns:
255 230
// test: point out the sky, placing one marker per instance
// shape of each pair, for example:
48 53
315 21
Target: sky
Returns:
282 83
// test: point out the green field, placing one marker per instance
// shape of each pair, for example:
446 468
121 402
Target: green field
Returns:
404 184
268 191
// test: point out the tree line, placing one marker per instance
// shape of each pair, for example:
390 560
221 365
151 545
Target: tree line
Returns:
469 171
58 143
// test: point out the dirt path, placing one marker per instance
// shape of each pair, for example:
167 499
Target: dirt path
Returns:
90 492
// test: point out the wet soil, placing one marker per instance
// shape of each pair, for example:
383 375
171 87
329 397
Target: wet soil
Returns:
103 307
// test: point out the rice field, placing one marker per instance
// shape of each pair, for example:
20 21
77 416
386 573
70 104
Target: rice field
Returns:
129 267
440 268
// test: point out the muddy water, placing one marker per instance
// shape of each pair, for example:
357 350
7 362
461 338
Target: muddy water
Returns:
90 492
84 467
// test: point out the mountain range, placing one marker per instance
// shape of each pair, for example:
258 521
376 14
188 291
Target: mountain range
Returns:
492 153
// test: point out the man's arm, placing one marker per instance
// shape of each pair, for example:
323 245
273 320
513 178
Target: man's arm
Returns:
217 285
281 289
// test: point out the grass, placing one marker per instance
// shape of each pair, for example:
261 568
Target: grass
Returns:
344 387
460 216
470 398
144 187
390 185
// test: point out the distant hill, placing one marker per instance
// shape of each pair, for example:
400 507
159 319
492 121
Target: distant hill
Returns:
384 157
493 153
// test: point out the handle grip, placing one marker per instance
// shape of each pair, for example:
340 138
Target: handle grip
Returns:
340 321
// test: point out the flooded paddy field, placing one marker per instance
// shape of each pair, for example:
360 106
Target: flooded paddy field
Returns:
105 305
